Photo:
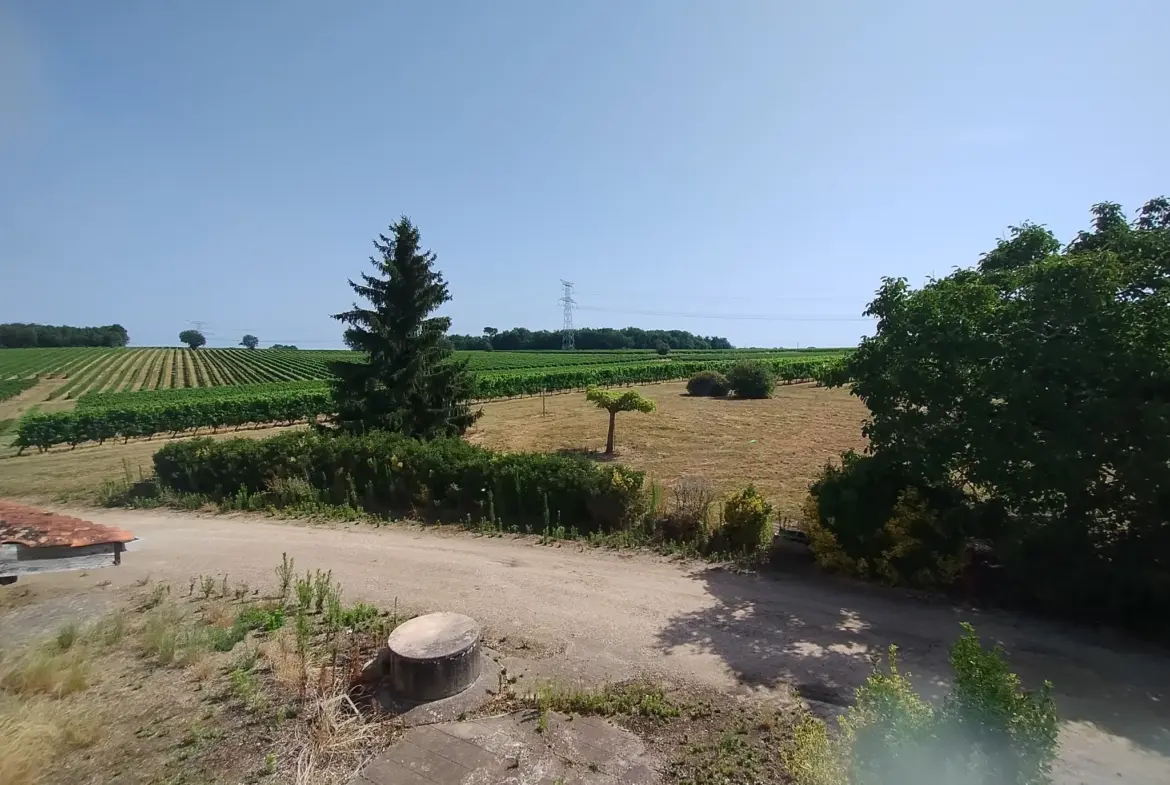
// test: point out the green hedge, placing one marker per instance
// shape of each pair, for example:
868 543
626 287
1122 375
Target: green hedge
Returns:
383 472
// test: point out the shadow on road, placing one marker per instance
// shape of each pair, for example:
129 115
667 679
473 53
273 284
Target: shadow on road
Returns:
823 635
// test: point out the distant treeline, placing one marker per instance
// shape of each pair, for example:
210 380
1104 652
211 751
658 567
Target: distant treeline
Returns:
600 338
25 336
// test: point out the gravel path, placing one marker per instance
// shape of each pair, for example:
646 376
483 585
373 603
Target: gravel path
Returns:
615 614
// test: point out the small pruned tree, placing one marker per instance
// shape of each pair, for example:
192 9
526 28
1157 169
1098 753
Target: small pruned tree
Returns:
249 342
193 338
662 347
613 402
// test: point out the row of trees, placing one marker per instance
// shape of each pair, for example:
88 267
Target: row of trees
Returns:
194 339
1019 411
27 336
588 339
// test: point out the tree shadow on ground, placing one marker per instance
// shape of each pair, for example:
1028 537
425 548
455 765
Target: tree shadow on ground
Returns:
823 635
585 452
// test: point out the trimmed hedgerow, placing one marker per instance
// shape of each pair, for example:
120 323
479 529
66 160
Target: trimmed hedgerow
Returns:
383 471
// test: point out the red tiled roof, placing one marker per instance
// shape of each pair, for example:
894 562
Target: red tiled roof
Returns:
35 528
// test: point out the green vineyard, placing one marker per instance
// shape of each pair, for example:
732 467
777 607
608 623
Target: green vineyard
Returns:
136 393
86 371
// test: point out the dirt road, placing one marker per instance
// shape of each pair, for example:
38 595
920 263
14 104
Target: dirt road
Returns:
617 614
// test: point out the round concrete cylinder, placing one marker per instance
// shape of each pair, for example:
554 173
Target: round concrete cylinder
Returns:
433 657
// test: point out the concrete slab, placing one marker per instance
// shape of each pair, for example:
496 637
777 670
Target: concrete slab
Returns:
508 750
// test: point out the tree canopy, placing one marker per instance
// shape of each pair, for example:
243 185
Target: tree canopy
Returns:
614 401
587 338
1038 385
411 383
249 342
193 338
20 336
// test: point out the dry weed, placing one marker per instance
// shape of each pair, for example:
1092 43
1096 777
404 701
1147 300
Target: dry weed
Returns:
219 614
288 665
336 739
46 670
38 729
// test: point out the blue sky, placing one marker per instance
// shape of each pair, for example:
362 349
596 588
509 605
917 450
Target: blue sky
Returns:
165 162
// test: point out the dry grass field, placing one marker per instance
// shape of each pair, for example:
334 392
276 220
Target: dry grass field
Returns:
64 474
778 444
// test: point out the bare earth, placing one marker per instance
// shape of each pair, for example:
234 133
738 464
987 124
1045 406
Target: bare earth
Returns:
618 614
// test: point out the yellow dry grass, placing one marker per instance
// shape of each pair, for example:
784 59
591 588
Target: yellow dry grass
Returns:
39 729
778 444
63 473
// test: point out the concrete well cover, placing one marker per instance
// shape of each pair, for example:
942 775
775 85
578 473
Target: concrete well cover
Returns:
434 636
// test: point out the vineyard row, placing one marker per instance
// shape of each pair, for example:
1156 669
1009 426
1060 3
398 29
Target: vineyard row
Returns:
97 423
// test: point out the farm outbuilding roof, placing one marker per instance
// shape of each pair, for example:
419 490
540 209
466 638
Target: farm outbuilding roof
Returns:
35 528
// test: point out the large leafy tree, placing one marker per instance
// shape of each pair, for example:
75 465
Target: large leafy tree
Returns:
193 338
411 383
1039 384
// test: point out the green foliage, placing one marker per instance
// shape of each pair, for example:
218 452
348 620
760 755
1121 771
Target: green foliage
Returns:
256 617
869 518
410 384
1039 384
708 383
632 699
589 339
750 379
384 471
662 348
747 523
988 730
249 342
17 336
614 401
361 617
10 388
1014 729
193 338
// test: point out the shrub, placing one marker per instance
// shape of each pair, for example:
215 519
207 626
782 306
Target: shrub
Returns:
866 518
708 383
662 347
689 516
988 730
747 523
750 379
383 472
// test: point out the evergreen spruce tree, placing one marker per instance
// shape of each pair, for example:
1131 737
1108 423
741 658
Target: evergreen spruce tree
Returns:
412 384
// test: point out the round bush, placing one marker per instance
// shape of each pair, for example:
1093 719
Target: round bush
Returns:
708 383
750 380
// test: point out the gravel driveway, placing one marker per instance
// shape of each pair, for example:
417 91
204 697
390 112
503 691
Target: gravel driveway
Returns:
616 614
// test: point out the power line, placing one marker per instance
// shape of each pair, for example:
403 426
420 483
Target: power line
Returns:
736 298
740 316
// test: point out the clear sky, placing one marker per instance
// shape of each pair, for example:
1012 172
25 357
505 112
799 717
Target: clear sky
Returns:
229 162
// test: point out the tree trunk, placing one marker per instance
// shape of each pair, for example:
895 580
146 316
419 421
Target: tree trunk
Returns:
609 439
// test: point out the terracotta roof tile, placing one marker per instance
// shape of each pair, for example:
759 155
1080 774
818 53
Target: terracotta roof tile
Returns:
35 528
